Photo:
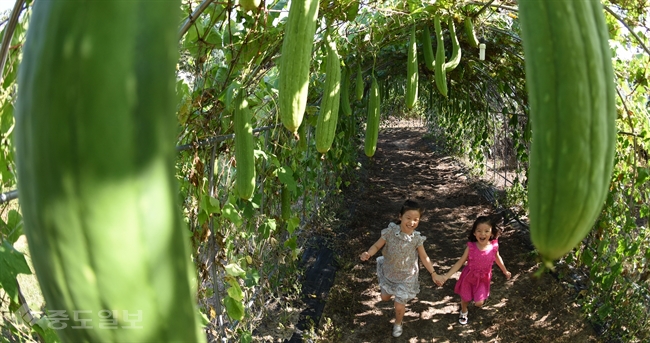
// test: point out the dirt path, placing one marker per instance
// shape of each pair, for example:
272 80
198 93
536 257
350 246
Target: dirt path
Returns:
522 309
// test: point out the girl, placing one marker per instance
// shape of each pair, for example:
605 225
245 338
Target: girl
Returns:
481 251
398 268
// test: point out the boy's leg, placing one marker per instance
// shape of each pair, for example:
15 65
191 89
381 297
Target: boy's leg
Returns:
385 296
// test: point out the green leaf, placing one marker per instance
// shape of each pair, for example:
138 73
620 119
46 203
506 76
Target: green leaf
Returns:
617 269
249 210
608 281
252 278
587 257
216 206
229 212
275 161
204 318
291 243
604 311
213 37
13 228
256 200
292 224
203 217
210 204
643 175
234 308
42 327
190 41
231 92
267 228
12 263
285 174
233 269
245 337
352 11
234 291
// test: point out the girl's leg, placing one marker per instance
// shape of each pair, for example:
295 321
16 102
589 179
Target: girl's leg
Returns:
399 312
463 312
463 306
479 303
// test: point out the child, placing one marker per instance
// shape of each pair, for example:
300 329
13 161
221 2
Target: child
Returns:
398 268
481 251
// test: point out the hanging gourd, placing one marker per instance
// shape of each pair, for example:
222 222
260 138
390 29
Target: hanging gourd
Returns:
440 75
572 96
469 32
359 85
427 49
329 108
244 148
412 72
372 123
345 107
293 82
455 47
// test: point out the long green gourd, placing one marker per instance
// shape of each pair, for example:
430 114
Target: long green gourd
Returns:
359 84
412 71
345 107
469 31
95 133
372 122
329 109
427 49
293 82
456 53
571 92
440 75
244 148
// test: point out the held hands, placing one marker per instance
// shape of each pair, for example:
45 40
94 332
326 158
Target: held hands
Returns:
507 274
364 256
438 279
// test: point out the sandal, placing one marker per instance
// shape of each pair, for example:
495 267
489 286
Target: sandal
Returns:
463 318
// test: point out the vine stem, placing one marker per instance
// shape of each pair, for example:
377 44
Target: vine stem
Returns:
638 39
191 19
489 4
9 33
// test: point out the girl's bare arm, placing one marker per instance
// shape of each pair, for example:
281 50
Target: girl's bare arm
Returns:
499 262
373 249
438 279
425 260
458 264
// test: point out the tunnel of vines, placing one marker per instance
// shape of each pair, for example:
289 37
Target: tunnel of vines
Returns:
273 124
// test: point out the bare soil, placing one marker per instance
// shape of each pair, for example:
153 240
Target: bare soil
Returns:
525 308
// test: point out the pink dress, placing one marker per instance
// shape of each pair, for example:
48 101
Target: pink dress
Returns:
474 280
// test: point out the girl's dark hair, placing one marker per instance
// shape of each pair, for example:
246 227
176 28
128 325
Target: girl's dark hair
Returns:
409 205
492 221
